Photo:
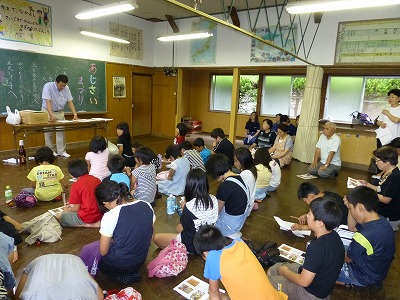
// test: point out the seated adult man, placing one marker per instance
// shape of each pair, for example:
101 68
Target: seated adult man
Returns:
222 144
233 196
372 249
327 161
309 192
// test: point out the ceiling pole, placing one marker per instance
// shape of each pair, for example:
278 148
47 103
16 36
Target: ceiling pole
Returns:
245 32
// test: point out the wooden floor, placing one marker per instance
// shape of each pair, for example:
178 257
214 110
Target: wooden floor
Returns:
259 227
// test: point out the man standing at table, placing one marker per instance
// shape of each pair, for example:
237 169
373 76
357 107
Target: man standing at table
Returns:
55 95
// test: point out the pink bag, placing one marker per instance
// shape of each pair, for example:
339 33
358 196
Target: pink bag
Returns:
170 261
128 293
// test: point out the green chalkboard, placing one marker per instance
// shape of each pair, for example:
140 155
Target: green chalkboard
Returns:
23 74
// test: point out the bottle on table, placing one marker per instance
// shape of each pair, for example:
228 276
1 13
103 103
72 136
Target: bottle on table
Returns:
171 204
22 153
8 194
159 156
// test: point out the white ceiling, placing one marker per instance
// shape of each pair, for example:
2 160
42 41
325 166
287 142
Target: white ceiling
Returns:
155 10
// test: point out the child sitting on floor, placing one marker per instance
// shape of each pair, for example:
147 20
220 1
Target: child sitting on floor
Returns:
194 158
176 180
116 165
232 262
372 249
262 160
316 278
48 179
143 178
82 209
180 130
200 208
198 145
97 157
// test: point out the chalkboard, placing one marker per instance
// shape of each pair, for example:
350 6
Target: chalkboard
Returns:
23 74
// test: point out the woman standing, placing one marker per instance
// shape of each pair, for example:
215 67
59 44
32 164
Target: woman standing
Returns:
390 118
252 129
283 147
388 188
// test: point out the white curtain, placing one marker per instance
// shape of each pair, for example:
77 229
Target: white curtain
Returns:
307 131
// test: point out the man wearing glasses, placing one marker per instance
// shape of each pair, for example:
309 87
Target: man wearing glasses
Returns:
55 95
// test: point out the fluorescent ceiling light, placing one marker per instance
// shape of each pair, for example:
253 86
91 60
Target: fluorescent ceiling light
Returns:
103 36
105 10
301 7
185 36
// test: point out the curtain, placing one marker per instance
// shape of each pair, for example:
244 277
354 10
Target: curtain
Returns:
307 131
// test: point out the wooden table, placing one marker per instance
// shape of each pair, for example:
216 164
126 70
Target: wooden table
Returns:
26 129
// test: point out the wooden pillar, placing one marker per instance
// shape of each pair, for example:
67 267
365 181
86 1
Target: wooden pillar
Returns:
179 96
234 105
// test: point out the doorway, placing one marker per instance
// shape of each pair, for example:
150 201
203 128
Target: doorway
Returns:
141 104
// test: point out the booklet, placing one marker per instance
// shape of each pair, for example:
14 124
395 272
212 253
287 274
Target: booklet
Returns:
194 288
292 254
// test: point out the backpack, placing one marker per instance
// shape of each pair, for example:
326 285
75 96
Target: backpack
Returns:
170 261
44 228
25 198
269 254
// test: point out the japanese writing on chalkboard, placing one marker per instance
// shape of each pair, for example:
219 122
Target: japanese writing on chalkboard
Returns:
23 74
26 21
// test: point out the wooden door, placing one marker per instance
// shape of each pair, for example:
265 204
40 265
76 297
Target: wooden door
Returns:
141 104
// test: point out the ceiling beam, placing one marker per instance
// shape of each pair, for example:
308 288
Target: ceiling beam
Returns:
172 23
245 32
234 16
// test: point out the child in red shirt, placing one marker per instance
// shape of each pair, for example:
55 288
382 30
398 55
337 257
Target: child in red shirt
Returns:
82 209
181 130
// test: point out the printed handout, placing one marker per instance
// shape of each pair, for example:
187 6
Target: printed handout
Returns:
352 183
194 288
306 176
292 254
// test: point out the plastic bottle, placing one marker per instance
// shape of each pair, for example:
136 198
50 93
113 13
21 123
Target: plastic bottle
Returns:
22 153
8 194
171 204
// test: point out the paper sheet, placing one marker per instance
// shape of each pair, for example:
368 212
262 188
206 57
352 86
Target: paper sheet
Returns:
352 183
13 161
287 225
384 135
307 176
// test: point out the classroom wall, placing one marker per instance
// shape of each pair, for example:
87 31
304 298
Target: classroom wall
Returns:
233 48
67 41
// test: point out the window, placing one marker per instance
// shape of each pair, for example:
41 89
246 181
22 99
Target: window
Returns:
282 94
221 93
359 93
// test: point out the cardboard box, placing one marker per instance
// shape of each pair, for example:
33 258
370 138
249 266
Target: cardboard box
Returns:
33 117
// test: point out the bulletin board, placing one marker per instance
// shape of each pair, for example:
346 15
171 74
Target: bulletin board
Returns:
371 41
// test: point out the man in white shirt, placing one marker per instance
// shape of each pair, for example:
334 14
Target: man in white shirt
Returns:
327 161
54 97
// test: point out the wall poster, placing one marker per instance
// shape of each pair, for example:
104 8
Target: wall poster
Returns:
119 87
372 41
133 50
26 21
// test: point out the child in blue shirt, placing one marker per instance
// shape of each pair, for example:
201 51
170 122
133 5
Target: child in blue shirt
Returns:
198 145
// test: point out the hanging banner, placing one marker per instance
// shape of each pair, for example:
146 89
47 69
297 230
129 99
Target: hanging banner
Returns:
26 21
